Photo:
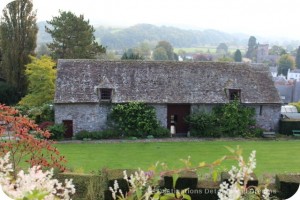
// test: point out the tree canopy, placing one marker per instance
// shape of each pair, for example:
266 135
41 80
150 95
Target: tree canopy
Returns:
285 63
41 76
167 47
277 50
73 37
18 31
298 58
160 54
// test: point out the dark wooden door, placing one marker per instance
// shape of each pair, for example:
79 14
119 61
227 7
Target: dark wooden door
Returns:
179 112
69 128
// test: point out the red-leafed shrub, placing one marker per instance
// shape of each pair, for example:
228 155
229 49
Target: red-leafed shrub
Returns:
25 140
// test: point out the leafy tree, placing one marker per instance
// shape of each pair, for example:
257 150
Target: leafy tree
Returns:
72 37
144 49
41 76
252 45
160 54
222 48
237 56
277 50
285 63
131 55
168 49
298 58
18 31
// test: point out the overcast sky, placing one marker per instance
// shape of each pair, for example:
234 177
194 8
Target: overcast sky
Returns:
253 17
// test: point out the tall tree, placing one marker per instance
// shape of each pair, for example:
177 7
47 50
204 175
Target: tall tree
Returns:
160 54
298 58
285 63
18 31
41 77
73 37
168 49
237 56
252 45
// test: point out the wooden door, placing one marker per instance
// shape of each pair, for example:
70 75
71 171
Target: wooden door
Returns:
179 112
69 128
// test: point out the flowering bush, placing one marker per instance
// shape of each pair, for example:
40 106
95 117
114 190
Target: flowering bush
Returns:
35 184
144 185
237 187
22 138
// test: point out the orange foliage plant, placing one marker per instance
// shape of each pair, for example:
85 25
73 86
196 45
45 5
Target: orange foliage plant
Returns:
26 142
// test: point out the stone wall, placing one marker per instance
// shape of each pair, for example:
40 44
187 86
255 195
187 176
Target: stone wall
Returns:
90 117
268 116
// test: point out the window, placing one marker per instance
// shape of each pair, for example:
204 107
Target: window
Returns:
234 94
105 94
260 109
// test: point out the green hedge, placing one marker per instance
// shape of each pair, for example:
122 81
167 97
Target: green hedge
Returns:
97 135
287 184
88 186
286 126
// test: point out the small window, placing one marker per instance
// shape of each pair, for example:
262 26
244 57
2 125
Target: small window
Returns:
234 94
105 94
260 110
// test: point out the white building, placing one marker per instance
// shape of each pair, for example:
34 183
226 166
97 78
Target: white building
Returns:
293 74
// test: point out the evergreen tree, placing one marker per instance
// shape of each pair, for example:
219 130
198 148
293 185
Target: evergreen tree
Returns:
252 45
18 31
237 56
73 37
298 58
131 55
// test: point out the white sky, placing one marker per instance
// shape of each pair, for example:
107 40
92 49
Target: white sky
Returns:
253 17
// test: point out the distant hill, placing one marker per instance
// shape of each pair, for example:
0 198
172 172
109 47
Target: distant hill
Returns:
132 36
124 38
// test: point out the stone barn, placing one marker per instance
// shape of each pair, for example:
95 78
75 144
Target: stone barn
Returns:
87 89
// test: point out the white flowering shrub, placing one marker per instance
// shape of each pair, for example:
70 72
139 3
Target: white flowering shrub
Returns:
237 188
35 184
144 185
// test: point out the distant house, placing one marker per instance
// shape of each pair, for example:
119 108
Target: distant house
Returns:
87 89
289 90
262 55
293 74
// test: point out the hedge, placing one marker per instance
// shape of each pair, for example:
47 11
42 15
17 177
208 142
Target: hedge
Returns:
287 184
286 126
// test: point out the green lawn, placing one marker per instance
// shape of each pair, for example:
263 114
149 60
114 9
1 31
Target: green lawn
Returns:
272 156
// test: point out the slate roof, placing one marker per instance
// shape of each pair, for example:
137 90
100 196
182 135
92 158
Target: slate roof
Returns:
78 81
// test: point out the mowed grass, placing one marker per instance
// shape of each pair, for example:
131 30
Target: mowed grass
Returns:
272 156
